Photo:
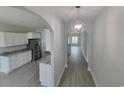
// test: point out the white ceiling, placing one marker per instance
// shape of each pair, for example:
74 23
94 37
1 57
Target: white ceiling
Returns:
21 17
16 16
68 13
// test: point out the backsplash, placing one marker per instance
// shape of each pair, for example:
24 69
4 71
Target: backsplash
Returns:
13 48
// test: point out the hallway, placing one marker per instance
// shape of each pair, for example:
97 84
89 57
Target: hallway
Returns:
76 75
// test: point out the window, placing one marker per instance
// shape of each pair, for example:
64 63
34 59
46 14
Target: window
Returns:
74 40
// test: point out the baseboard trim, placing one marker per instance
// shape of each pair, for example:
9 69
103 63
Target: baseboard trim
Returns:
61 76
93 77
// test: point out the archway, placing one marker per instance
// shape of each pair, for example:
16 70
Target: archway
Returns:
23 22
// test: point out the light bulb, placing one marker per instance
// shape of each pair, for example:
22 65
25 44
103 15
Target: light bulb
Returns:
78 26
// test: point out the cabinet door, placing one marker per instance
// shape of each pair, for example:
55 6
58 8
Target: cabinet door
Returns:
21 39
27 56
45 74
24 58
4 64
15 61
29 53
16 38
8 39
12 39
2 44
20 59
12 63
25 39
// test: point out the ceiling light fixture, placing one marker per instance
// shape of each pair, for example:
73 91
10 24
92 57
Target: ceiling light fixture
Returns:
78 25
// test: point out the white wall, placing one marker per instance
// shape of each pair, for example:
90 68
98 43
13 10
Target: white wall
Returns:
48 39
108 48
89 28
84 38
43 41
60 50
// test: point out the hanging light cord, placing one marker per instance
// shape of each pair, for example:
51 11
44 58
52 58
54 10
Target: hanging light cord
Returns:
77 12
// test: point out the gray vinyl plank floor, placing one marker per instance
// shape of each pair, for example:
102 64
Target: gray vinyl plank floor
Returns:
25 76
77 75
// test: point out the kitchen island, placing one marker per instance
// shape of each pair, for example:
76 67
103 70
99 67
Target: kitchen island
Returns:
9 61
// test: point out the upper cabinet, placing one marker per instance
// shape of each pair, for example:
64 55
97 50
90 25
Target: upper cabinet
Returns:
32 35
8 39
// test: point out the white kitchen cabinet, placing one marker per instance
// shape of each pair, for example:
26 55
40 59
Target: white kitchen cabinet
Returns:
8 39
45 71
45 74
12 61
32 35
16 39
23 39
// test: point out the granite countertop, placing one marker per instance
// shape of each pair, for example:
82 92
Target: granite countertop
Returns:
46 59
13 52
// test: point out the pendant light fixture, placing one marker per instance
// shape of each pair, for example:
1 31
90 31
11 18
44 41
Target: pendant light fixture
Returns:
77 25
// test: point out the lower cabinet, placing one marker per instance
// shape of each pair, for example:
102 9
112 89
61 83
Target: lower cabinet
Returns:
45 74
14 61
